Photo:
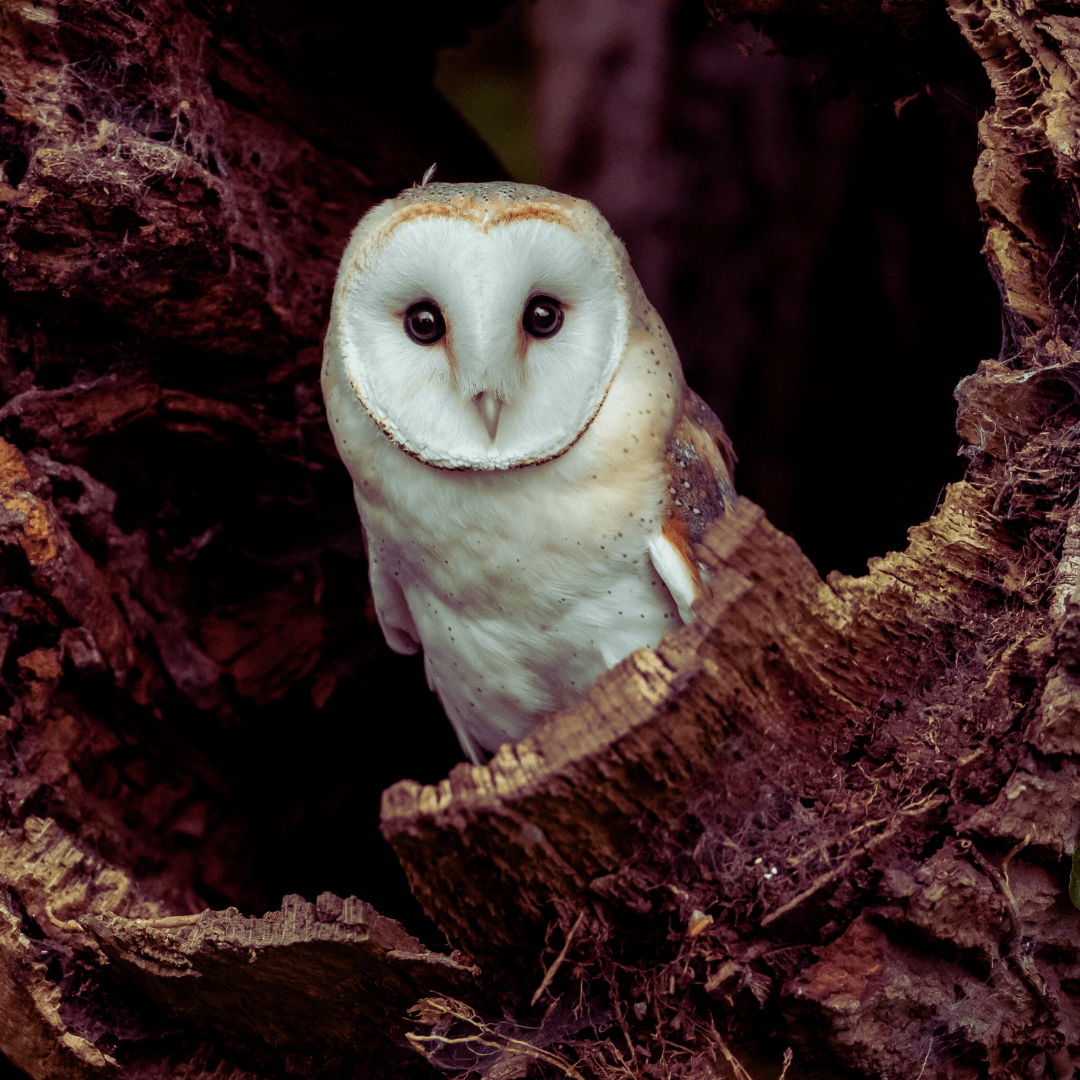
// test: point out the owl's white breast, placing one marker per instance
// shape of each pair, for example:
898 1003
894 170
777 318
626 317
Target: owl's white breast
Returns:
524 585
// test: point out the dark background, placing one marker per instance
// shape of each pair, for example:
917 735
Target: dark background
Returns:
813 250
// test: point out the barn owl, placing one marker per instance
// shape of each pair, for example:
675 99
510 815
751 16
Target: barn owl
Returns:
530 468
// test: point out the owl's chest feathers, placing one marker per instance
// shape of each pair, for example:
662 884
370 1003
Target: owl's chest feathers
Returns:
532 540
563 545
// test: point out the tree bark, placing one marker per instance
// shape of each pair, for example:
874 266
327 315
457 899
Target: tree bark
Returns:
829 817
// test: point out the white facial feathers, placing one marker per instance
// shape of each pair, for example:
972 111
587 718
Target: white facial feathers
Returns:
486 394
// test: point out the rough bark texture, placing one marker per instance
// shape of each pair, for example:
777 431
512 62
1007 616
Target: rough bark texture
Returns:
319 987
758 686
834 816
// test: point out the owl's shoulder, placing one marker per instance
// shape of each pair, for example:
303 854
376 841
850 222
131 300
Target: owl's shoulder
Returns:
699 461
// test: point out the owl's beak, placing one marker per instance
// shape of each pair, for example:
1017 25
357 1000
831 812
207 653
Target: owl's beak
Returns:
489 405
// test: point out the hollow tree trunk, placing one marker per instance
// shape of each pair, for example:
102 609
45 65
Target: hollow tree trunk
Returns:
832 816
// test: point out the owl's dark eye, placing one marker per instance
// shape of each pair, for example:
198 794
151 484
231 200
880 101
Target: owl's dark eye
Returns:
424 322
543 317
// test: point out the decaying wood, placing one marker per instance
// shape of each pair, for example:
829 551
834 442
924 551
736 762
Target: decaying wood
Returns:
323 987
831 818
774 664
48 878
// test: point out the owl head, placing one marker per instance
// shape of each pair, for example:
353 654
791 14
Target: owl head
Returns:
480 325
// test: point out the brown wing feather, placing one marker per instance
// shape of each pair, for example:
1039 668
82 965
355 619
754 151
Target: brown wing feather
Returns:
700 461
